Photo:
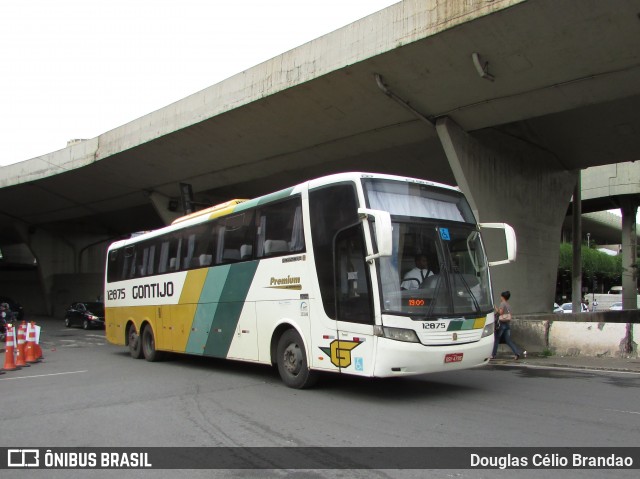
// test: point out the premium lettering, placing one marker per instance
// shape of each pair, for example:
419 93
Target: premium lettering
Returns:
285 281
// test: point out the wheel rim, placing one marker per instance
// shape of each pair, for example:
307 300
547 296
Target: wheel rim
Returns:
134 339
85 324
67 322
292 359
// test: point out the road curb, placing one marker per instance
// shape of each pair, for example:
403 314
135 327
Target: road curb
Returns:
559 365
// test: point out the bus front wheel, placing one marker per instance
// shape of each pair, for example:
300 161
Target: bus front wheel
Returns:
135 343
149 345
292 361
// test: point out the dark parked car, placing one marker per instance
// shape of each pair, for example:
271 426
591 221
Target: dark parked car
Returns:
16 308
87 314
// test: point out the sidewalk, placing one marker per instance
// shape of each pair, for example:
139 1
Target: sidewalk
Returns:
574 362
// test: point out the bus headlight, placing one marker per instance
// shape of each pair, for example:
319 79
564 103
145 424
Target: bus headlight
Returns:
400 334
488 330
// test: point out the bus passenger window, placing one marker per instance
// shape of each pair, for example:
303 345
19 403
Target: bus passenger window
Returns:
279 228
234 233
202 253
163 263
129 263
114 265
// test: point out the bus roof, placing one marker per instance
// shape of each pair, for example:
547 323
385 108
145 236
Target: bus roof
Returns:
237 205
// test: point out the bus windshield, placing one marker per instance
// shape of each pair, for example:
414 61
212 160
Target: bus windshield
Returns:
438 267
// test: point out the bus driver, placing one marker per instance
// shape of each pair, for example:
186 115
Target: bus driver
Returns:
414 278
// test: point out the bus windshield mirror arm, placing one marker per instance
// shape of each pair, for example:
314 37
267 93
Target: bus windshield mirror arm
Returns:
382 230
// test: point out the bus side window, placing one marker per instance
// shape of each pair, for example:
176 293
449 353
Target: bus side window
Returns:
163 262
174 254
352 281
280 229
151 259
189 259
235 237
332 209
204 246
114 266
128 263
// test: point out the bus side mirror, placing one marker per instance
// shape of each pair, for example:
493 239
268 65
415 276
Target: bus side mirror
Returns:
510 237
382 230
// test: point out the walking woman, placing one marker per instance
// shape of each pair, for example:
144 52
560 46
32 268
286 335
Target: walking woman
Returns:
504 330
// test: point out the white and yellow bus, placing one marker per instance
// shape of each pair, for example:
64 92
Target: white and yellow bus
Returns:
313 278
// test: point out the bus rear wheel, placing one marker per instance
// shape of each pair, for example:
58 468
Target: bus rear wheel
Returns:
149 345
135 343
292 361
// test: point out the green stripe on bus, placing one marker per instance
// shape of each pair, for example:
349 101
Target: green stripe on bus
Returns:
454 326
263 199
227 314
206 310
461 325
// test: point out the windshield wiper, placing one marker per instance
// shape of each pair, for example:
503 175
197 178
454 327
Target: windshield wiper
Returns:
436 289
466 285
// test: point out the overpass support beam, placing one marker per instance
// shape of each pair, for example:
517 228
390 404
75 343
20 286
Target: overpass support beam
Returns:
68 269
512 181
54 257
629 208
576 270
161 204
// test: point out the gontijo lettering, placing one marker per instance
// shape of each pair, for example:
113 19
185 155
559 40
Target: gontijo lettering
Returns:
153 290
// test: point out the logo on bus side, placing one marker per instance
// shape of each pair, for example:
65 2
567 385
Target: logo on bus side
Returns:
292 259
340 352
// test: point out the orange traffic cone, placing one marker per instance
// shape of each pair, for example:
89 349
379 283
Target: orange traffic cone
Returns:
30 350
37 343
20 362
9 361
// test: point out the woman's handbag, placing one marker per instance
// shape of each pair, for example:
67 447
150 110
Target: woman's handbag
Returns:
505 317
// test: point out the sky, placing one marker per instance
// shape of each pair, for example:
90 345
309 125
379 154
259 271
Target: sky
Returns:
78 68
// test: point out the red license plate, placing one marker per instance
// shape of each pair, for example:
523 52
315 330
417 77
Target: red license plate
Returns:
453 358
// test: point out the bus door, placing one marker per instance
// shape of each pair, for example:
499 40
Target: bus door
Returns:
354 351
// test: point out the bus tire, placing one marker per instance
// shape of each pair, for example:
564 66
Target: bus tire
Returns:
291 358
135 343
149 345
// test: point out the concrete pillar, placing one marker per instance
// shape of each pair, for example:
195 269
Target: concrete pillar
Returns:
576 273
53 257
629 208
69 269
512 181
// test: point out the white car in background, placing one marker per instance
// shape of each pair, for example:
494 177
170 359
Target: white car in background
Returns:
616 307
568 308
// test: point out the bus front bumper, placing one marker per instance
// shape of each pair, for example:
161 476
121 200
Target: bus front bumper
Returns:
397 358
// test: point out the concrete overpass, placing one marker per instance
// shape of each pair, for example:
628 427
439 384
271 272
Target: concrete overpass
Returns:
507 98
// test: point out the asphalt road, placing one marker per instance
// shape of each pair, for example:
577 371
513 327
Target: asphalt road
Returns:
90 393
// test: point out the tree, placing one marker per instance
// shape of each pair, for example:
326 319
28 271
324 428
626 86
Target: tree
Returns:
596 265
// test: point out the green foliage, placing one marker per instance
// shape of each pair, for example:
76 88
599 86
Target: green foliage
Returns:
595 264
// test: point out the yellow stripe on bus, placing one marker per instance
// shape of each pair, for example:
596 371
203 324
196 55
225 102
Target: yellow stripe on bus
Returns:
479 323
